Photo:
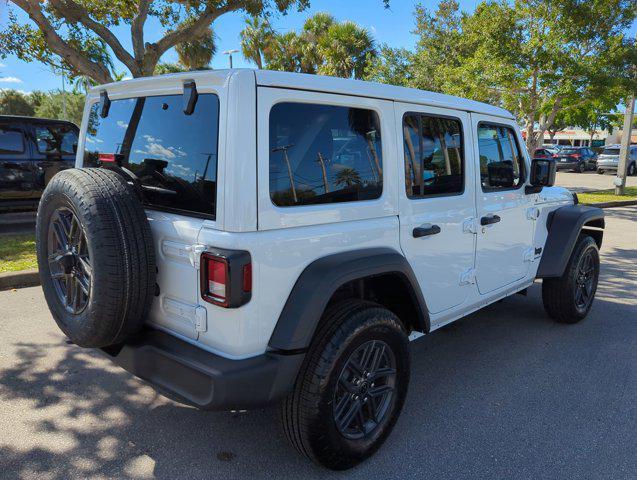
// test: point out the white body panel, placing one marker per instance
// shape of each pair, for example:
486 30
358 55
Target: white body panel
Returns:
282 241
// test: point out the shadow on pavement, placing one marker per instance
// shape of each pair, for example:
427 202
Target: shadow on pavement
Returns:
503 393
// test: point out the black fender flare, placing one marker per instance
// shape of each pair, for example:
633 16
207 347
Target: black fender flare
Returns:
564 226
321 278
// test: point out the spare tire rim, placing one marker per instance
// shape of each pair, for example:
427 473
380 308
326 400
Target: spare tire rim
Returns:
365 390
585 281
69 261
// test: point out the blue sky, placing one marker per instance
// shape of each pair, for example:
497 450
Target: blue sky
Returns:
388 26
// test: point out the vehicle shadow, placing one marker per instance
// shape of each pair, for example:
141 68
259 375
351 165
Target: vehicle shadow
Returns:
503 393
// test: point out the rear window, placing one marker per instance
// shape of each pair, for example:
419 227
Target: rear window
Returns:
173 154
611 151
570 151
11 140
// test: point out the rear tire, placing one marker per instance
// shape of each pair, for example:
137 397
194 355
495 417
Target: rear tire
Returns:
569 298
600 172
581 167
338 383
90 225
632 170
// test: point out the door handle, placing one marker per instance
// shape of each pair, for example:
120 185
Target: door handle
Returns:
426 230
489 220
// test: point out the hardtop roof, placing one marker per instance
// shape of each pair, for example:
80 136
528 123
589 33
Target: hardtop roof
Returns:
318 83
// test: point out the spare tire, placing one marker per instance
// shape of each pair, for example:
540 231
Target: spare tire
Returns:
95 255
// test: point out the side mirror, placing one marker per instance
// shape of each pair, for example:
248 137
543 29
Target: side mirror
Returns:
542 175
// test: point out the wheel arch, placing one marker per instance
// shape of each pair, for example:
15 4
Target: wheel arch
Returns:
322 279
564 225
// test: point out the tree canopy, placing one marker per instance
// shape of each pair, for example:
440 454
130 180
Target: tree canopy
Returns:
77 36
538 59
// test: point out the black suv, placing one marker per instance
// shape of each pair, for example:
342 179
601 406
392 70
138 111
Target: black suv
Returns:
32 150
579 159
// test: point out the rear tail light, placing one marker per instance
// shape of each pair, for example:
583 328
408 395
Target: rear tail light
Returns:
574 155
226 277
555 155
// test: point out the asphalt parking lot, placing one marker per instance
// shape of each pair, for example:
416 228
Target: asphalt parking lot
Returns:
504 393
587 181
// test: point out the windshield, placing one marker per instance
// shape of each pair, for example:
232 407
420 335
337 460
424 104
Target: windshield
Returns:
174 155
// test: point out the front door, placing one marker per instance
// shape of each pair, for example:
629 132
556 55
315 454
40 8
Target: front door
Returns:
505 212
437 202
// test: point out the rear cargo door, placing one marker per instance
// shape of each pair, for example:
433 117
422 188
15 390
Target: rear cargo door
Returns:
174 156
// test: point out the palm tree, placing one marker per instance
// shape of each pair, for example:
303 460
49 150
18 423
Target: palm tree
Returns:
345 48
256 40
197 53
348 177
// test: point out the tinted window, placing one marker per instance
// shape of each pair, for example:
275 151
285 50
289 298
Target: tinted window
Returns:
173 154
501 164
571 151
11 140
56 139
433 155
611 151
324 154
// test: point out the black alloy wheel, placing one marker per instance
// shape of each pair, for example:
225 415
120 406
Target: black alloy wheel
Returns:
69 260
365 390
585 281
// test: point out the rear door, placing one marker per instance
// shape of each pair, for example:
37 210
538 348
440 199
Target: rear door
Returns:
437 201
55 146
16 174
505 213
174 156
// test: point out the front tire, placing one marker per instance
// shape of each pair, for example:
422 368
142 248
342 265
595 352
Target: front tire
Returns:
581 168
632 170
569 298
352 386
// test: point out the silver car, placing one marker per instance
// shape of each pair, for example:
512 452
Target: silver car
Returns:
608 160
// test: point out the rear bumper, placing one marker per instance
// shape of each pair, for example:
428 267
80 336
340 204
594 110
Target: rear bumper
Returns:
202 379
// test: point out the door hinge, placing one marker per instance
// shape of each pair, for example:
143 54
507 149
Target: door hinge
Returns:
470 226
194 253
468 277
532 213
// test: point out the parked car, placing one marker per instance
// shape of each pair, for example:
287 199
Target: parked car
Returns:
238 238
545 153
32 151
608 160
578 159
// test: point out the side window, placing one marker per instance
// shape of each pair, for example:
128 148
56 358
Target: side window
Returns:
56 139
11 140
324 154
501 163
434 162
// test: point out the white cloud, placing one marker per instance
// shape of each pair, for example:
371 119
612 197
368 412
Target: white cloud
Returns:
10 80
157 150
2 65
122 124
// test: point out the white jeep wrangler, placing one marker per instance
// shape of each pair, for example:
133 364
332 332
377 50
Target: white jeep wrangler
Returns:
237 238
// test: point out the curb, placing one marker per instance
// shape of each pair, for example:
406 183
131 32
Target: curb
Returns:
23 278
620 203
